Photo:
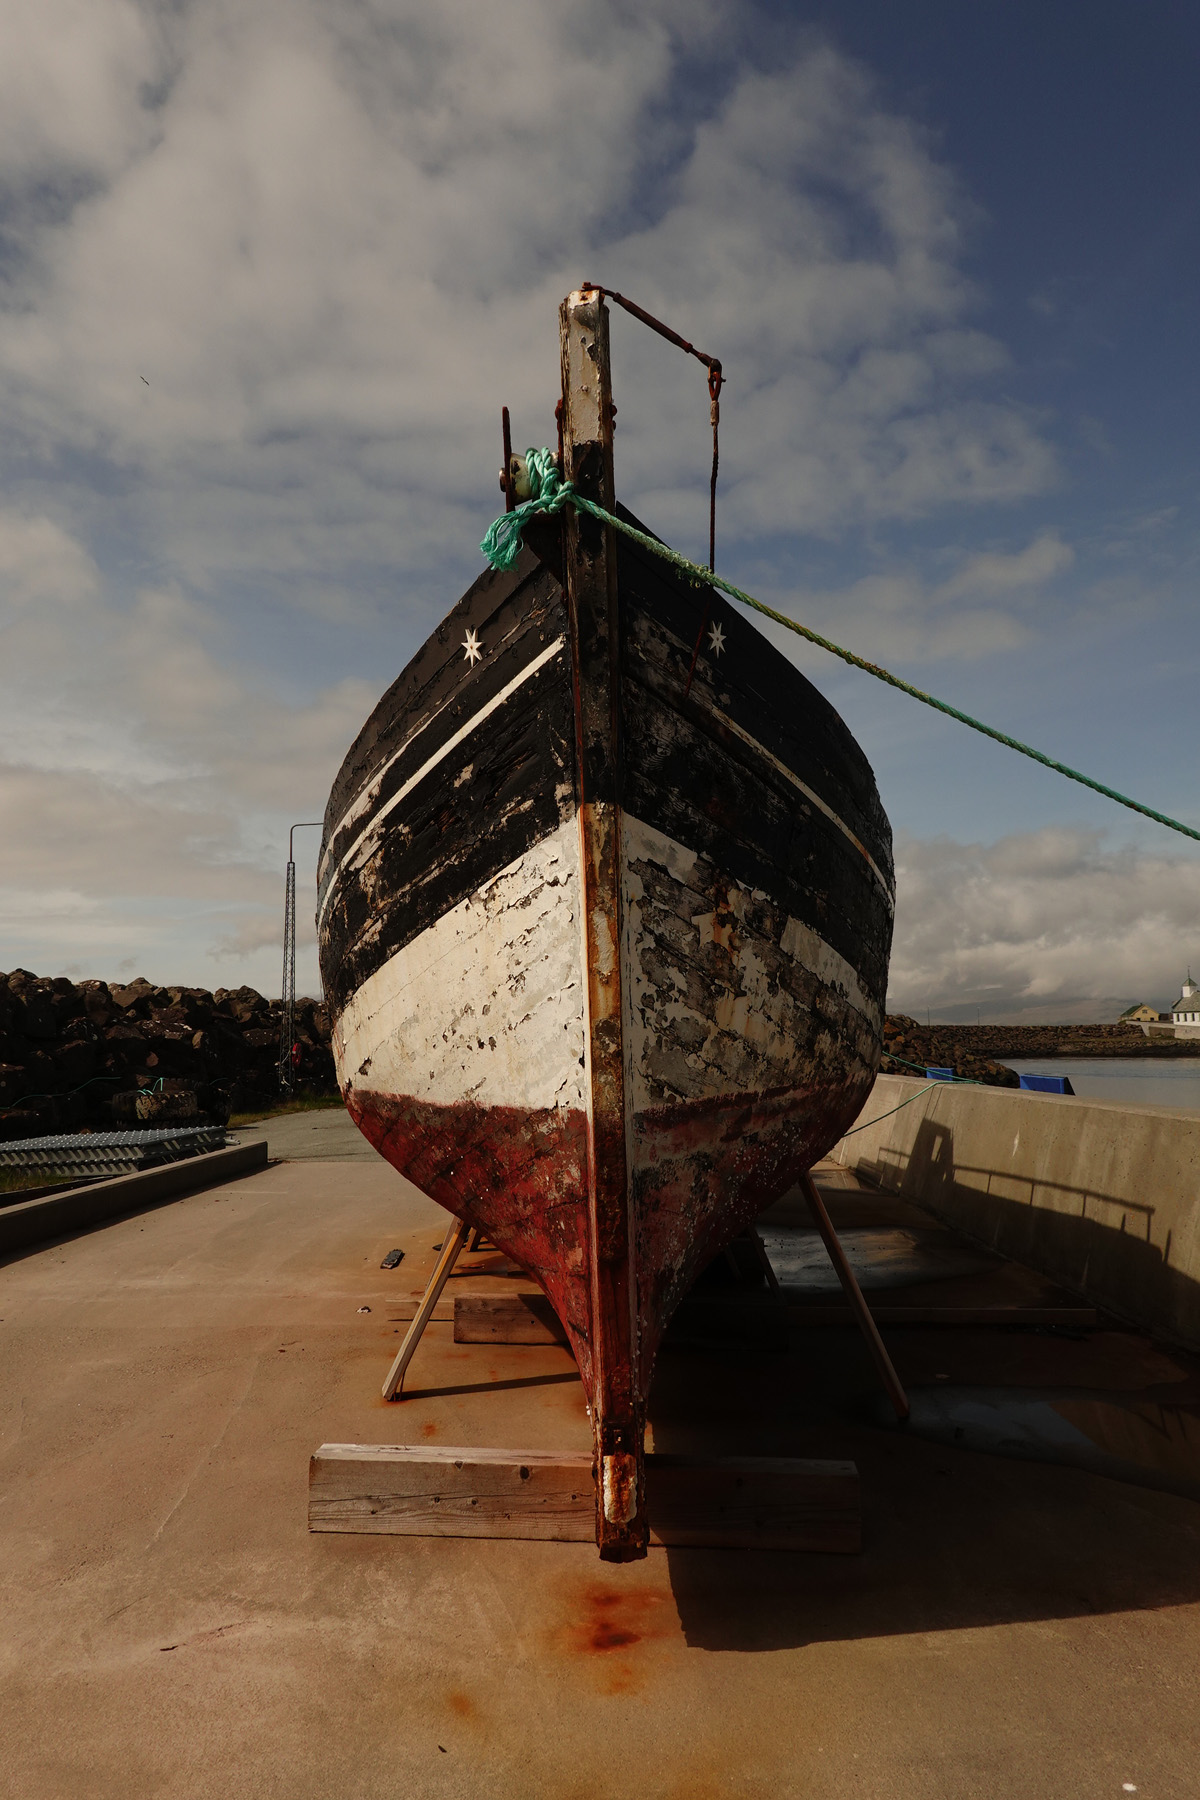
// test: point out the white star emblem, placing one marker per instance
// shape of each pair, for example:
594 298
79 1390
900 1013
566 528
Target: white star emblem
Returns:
716 638
471 648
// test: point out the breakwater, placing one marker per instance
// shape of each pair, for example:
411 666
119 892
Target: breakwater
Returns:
976 1051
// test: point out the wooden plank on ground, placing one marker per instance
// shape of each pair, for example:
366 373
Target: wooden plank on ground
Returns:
754 1321
506 1319
734 1502
1080 1317
758 1321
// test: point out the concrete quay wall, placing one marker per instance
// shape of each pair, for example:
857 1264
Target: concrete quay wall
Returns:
27 1222
1101 1197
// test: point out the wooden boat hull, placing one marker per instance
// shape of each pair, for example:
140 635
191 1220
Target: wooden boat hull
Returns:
755 926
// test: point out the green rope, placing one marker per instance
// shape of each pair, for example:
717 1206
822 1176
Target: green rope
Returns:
502 545
923 1069
923 1095
548 492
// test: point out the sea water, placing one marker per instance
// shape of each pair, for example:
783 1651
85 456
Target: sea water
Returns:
1149 1081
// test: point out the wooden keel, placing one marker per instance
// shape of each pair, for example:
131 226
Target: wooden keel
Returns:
616 1401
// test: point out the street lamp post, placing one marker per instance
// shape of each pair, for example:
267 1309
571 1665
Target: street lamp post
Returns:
287 1026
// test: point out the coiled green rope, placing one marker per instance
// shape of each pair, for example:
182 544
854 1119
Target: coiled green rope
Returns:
549 493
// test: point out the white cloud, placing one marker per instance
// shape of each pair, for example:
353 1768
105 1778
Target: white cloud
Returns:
334 240
986 605
1040 919
274 265
993 572
69 88
40 562
146 782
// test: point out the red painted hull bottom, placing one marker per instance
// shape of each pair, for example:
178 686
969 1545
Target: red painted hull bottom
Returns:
703 1170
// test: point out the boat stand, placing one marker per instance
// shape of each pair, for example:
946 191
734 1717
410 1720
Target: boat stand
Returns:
453 1246
456 1242
854 1294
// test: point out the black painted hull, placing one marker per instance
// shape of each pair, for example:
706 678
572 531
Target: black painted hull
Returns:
755 928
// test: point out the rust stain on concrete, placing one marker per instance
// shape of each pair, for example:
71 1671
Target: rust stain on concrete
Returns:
608 1628
462 1706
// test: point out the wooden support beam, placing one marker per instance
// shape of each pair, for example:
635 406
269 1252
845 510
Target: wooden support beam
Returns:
452 1246
854 1296
726 1502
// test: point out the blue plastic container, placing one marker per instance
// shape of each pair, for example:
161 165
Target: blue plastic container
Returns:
939 1074
1047 1084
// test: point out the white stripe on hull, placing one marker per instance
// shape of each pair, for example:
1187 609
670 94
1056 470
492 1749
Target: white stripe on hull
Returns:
371 831
486 1005
366 799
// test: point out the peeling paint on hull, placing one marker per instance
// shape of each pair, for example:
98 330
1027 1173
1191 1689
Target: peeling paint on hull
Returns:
754 865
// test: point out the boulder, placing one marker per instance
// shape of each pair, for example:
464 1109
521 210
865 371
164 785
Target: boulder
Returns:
35 1017
91 1047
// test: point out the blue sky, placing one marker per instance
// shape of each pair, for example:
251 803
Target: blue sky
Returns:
270 269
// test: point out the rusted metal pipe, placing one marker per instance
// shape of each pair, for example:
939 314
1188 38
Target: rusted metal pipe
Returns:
639 312
854 1294
716 380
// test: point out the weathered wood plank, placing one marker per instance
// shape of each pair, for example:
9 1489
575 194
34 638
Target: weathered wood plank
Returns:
754 1503
766 1503
506 1319
757 1320
444 1492
1082 1317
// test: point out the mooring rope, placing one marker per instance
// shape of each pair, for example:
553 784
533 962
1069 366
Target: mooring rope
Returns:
549 493
923 1095
924 1068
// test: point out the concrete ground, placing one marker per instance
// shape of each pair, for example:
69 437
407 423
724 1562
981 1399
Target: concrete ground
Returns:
170 1629
327 1134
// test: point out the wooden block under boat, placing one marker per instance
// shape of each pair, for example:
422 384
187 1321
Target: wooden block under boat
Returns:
1079 1318
725 1502
506 1319
528 1318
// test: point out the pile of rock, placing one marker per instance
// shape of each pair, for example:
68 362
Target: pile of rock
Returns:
1070 1040
908 1048
76 1054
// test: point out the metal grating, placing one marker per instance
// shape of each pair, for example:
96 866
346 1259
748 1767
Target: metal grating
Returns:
102 1152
